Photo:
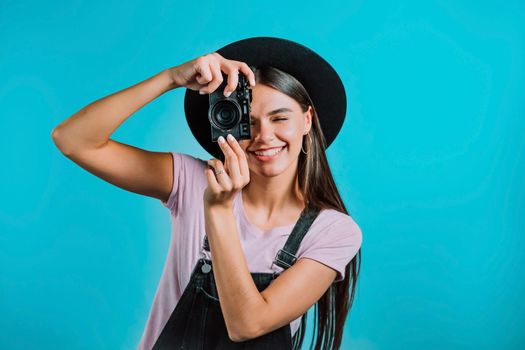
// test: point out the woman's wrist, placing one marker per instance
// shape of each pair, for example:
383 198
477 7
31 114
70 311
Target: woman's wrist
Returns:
169 81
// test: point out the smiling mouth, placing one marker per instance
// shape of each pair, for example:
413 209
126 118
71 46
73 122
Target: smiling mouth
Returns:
268 155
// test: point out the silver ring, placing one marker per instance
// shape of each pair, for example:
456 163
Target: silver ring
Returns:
219 172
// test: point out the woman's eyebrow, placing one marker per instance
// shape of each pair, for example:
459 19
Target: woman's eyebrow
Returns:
277 111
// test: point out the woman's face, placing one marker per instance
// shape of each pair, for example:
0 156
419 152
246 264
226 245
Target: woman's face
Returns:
278 124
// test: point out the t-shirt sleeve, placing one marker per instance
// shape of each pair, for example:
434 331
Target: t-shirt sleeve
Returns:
188 179
335 245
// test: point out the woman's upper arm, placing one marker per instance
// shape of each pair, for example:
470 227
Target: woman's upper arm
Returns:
292 293
128 167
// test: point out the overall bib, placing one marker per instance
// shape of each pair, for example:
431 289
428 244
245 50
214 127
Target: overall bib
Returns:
197 322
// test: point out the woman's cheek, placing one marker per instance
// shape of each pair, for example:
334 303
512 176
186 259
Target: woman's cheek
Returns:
289 131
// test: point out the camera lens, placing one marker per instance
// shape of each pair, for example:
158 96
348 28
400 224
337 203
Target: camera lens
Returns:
225 115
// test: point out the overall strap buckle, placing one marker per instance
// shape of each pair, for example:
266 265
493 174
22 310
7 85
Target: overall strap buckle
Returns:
289 259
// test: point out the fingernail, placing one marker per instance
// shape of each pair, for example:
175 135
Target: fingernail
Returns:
201 92
221 139
227 94
230 137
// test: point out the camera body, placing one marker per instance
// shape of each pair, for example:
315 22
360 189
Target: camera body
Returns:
231 115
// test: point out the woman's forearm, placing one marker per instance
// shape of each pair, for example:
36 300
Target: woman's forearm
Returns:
93 125
241 302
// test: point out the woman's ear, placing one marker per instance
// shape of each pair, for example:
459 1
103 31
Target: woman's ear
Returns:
308 120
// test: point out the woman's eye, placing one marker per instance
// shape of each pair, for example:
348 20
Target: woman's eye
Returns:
275 119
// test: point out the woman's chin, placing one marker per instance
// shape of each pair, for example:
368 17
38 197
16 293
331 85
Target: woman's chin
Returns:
268 170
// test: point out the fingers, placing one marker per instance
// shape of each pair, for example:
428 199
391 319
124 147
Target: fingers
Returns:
222 179
211 73
212 181
232 160
236 172
243 67
233 80
243 162
247 71
202 68
232 72
217 77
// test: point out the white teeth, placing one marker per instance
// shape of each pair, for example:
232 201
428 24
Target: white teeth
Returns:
270 152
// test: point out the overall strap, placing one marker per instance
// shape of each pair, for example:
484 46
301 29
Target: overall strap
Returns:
286 256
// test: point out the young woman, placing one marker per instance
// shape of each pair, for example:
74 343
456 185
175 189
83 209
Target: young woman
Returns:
259 233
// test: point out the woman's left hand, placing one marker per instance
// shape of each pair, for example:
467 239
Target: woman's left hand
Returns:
231 177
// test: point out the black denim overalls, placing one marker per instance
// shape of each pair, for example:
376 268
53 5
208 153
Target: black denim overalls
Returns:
197 322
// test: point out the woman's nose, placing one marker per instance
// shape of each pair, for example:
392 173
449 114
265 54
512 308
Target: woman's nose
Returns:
264 132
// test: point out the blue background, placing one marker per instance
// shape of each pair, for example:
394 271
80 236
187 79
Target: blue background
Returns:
430 162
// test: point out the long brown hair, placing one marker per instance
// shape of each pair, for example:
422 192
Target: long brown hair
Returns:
318 188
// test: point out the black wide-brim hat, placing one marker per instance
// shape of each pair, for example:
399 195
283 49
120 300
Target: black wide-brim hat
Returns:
320 80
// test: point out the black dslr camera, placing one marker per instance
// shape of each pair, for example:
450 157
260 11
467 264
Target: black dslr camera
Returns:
231 115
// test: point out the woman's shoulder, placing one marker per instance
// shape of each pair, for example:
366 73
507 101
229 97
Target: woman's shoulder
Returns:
333 239
188 159
335 217
337 223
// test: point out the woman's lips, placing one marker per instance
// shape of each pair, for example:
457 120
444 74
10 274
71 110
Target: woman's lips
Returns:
267 158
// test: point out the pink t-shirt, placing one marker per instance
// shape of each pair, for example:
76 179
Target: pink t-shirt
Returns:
333 239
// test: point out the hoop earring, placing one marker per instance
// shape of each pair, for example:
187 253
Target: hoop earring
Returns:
309 143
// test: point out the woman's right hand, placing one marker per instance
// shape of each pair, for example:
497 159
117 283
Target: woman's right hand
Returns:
204 73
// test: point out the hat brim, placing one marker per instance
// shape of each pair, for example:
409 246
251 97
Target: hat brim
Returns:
318 77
